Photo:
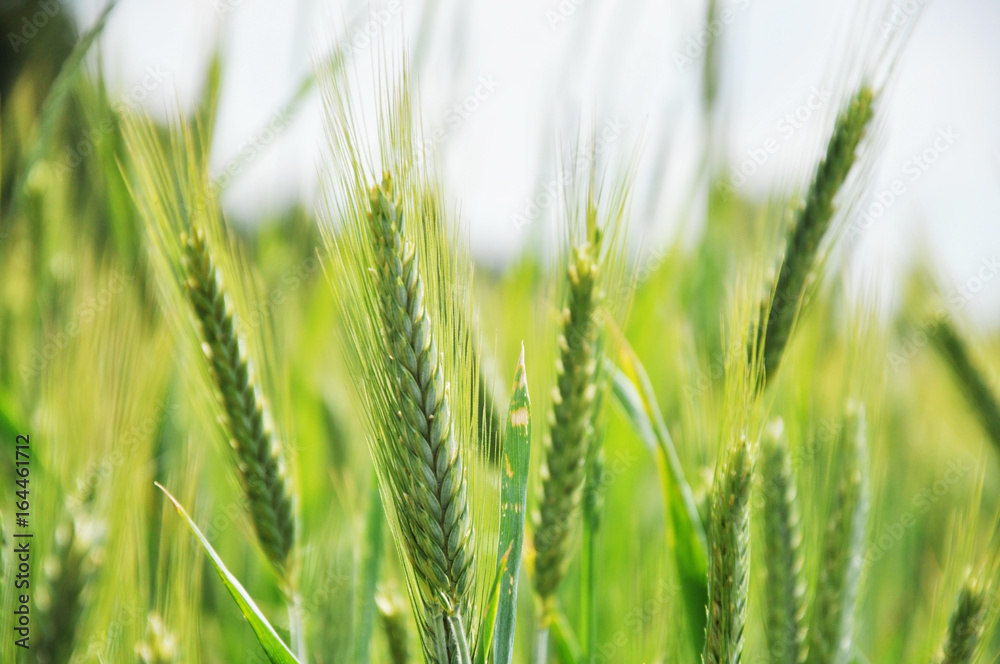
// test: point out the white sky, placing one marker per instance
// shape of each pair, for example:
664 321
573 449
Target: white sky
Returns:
613 60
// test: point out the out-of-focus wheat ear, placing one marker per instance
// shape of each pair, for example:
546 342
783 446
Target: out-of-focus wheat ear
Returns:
785 589
965 626
76 556
729 557
258 453
955 352
390 613
429 471
809 227
831 630
570 422
159 646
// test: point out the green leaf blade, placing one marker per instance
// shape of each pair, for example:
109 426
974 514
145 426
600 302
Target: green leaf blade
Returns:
273 646
513 497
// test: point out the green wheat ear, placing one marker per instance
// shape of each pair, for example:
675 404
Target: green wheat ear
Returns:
69 569
809 227
831 630
259 458
393 622
403 280
955 351
729 557
785 588
570 421
159 645
965 626
437 526
597 224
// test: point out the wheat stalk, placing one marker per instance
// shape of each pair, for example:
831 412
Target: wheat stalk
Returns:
837 585
809 227
259 457
785 587
729 557
965 626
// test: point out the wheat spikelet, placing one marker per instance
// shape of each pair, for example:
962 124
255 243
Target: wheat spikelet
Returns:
965 626
258 454
570 421
831 628
809 228
729 557
785 587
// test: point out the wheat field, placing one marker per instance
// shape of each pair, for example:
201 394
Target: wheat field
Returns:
339 436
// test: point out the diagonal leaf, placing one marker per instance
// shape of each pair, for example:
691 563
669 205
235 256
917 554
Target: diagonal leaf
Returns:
269 640
513 499
685 532
489 620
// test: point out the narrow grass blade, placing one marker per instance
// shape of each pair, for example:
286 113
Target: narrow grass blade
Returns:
269 640
513 499
488 628
685 531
